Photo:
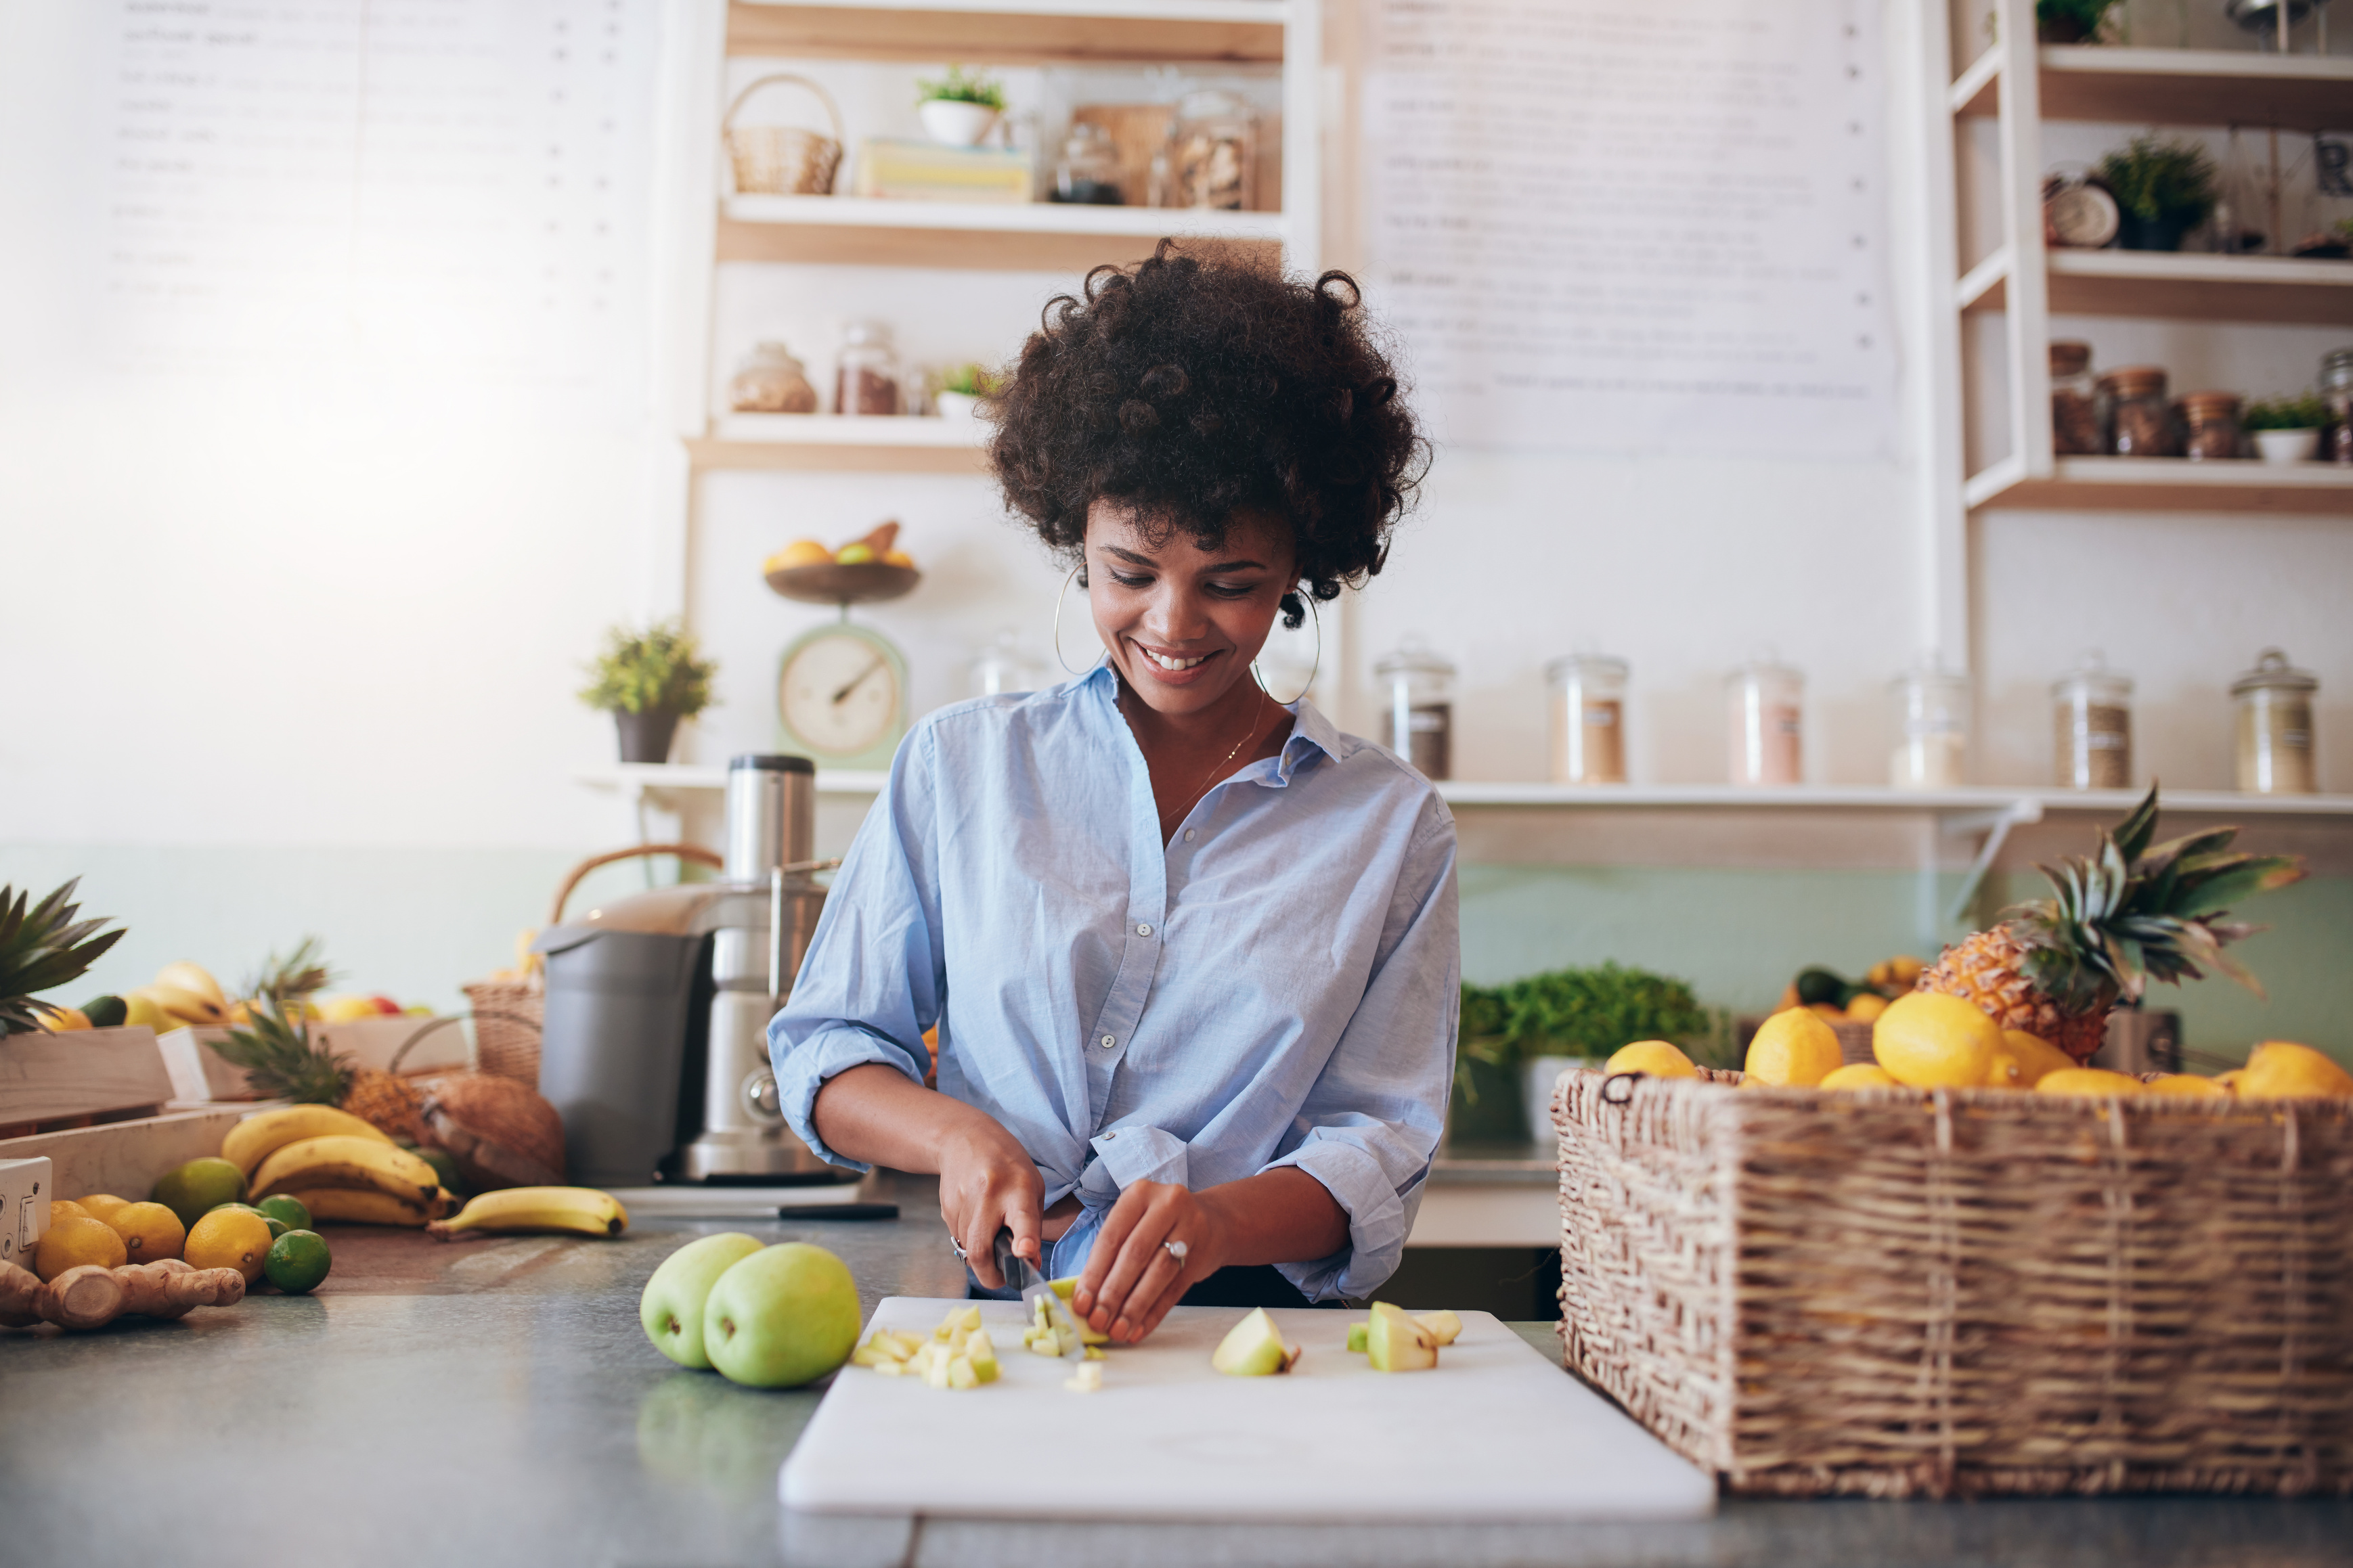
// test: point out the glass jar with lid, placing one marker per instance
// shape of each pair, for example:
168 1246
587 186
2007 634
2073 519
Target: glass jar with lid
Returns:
1004 666
2091 717
771 381
1764 720
2274 727
1932 729
2337 396
1213 152
2209 425
1586 714
2133 412
1415 691
2074 402
1087 170
867 378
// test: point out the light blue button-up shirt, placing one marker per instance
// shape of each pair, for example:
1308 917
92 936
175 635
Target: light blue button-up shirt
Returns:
1276 985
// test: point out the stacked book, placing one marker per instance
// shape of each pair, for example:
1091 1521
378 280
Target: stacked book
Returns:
929 172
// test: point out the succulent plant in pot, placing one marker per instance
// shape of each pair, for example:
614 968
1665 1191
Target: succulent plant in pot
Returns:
960 108
2286 429
2072 21
2163 190
649 681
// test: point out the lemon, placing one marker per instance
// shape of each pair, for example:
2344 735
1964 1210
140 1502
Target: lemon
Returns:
200 1184
2023 1058
149 1231
99 1205
1861 1075
65 1209
2087 1080
2281 1069
1931 1041
75 1240
1866 1007
229 1238
2188 1084
799 552
1794 1049
1657 1057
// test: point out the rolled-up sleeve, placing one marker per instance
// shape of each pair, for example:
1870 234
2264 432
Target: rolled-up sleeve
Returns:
1372 1120
874 976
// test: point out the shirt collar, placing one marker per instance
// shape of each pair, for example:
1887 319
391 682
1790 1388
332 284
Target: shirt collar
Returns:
1310 731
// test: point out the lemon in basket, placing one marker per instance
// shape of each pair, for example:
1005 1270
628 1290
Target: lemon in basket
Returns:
1861 1075
1933 1041
1793 1048
2098 1081
2022 1059
1657 1057
2281 1069
2188 1085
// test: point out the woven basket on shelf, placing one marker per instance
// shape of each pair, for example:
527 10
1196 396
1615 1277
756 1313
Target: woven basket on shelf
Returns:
782 159
510 1013
1901 1292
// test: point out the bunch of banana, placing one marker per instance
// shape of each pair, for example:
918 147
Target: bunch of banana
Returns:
350 1162
181 994
354 1206
573 1210
262 1134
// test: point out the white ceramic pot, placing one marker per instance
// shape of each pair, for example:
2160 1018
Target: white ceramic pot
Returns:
959 406
1543 1072
957 124
2288 446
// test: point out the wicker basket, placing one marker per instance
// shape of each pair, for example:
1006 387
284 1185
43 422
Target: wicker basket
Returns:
782 159
1901 1292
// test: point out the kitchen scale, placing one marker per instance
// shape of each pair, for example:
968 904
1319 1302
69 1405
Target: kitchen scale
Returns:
841 689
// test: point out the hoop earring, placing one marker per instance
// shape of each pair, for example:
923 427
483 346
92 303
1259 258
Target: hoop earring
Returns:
1317 616
1065 594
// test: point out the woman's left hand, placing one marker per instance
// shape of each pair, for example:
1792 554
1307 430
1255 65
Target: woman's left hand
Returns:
1132 1278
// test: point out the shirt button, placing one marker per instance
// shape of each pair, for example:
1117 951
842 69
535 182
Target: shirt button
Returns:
1108 1042
1188 835
1143 930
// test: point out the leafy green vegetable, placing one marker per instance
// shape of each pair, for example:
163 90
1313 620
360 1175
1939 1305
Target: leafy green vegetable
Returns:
2304 411
1573 1013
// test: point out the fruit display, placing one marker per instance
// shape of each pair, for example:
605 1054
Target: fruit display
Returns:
769 1317
865 571
42 946
91 1295
102 1233
879 545
347 1161
1835 999
572 1211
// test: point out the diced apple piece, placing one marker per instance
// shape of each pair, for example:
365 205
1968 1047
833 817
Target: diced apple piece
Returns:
1087 1379
1444 1327
1065 1288
1091 1353
1044 1344
1395 1342
889 1368
968 1319
1252 1348
961 1374
1357 1337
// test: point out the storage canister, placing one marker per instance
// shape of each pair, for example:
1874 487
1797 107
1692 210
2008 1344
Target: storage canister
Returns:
2091 716
1587 719
867 380
2275 726
2133 412
1932 729
2074 402
2337 396
1416 690
1764 724
771 381
2209 425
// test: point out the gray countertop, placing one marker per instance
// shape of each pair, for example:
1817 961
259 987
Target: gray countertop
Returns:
496 1402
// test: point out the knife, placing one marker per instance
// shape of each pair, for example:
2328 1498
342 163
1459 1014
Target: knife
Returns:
1019 1273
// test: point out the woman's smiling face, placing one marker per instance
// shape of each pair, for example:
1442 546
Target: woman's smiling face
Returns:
1183 623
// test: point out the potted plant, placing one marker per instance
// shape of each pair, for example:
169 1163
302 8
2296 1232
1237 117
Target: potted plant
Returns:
1514 1040
2286 429
2071 21
959 109
649 681
961 388
2163 190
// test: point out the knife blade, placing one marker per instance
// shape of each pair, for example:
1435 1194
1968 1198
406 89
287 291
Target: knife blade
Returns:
1020 1274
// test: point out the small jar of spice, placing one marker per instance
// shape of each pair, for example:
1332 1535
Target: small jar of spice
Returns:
2275 726
1764 722
2091 714
1588 718
2133 412
771 381
867 380
2074 402
2209 425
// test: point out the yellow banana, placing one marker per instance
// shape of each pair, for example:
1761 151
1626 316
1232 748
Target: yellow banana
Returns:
582 1211
195 977
362 1207
184 1005
262 1134
347 1160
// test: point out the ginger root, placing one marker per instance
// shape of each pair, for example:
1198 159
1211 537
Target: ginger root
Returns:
90 1297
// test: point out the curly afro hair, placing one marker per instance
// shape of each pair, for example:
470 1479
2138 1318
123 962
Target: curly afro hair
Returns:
1192 386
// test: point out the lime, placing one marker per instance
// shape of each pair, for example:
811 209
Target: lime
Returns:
287 1210
195 1189
297 1261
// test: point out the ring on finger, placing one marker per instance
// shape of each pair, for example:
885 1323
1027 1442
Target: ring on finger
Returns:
960 1252
1175 1249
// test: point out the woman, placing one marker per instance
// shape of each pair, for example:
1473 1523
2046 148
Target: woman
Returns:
1191 952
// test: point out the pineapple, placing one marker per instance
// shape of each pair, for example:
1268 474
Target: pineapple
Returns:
40 948
296 978
2129 913
395 1105
279 1061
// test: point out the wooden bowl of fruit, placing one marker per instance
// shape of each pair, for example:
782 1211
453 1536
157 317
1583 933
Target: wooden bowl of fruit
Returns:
862 572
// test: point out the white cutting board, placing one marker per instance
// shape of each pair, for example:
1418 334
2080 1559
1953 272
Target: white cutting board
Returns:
1496 1432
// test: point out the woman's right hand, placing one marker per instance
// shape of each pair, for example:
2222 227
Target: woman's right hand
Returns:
987 1184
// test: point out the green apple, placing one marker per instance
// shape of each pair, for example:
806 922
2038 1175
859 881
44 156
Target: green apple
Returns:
671 1308
785 1316
1397 1344
1356 1334
1252 1348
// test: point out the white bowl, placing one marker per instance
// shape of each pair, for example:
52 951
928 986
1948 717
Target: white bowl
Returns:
962 406
2288 446
955 124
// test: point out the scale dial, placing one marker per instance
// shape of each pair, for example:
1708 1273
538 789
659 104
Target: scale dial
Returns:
841 693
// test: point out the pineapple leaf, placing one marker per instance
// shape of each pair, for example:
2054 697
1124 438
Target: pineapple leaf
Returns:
42 947
2132 833
298 976
2224 880
279 1058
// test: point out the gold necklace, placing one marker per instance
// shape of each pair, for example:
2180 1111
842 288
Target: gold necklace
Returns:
1217 767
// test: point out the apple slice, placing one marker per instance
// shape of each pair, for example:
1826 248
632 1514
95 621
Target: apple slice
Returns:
1444 1327
1253 1348
1396 1342
1087 1379
1356 1332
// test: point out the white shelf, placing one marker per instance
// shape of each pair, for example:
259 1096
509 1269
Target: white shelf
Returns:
1003 217
2104 85
2176 286
839 430
1878 798
1107 10
1024 31
655 778
2167 484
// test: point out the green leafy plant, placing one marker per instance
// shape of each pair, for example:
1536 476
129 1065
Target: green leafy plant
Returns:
2304 411
972 380
961 87
297 977
1574 1013
42 946
660 668
2157 181
2067 21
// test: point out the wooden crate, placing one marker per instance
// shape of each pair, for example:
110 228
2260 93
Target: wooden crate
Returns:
49 1081
1902 1292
